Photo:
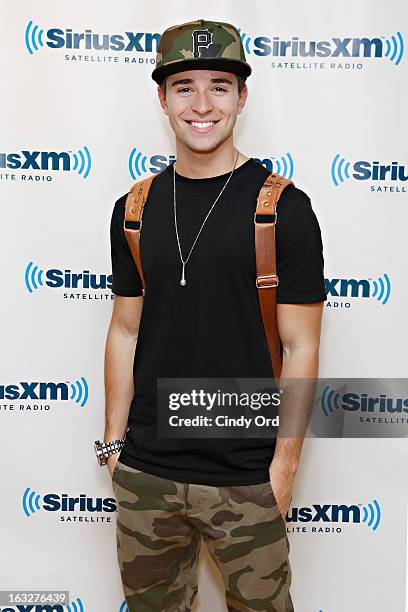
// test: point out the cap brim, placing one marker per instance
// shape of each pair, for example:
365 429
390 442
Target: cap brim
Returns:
211 63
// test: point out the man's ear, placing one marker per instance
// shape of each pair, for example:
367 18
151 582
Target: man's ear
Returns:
242 99
162 99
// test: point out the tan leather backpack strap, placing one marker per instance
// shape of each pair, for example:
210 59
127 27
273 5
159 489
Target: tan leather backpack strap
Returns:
266 276
132 223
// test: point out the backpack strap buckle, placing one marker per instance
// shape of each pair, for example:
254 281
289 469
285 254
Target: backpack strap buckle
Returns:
260 217
133 226
265 282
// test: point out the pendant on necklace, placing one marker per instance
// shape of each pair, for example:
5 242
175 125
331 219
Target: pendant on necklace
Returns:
183 281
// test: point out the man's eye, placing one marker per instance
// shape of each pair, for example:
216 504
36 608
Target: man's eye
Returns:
182 89
219 87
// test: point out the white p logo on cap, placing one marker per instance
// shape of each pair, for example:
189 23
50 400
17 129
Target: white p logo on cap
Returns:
201 38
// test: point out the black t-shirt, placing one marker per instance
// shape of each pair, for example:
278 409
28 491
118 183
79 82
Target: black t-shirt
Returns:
213 326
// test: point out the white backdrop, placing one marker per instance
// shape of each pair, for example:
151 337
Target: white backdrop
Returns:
328 121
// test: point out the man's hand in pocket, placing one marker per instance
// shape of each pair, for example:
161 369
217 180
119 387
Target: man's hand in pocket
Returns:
111 463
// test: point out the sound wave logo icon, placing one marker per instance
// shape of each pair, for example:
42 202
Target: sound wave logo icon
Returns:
372 514
137 163
246 41
381 289
82 162
33 37
394 48
80 391
330 401
33 277
339 170
75 606
283 165
123 607
30 501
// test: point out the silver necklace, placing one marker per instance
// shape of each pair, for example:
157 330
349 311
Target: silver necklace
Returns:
183 281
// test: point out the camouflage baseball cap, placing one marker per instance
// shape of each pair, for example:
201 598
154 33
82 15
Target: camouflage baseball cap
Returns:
201 45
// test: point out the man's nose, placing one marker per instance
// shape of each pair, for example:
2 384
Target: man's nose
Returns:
202 103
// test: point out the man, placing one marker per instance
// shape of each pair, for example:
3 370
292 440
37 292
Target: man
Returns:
200 317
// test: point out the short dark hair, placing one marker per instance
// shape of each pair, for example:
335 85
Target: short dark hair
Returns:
241 84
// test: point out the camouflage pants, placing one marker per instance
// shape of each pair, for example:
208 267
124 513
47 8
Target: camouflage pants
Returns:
161 523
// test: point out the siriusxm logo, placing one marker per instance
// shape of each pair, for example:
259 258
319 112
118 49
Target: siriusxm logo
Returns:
35 277
378 289
75 606
332 401
55 502
363 170
370 514
61 391
391 48
139 163
36 38
62 161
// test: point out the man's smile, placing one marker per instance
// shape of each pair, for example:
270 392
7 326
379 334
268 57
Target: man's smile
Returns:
201 127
